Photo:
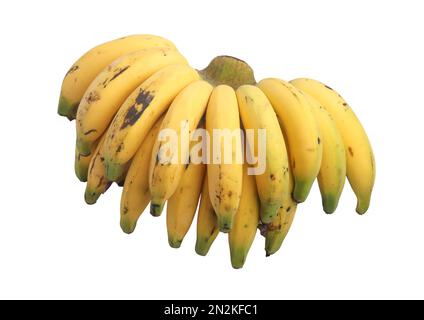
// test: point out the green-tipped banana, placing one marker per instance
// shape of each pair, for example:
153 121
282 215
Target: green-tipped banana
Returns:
207 222
257 114
360 163
301 130
136 194
332 174
246 221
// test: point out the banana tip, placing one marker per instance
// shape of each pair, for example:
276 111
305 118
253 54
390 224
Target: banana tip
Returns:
362 206
301 191
91 197
329 203
174 243
156 209
66 108
202 247
238 257
127 226
225 224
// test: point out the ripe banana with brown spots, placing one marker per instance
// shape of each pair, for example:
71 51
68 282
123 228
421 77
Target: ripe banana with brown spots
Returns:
182 117
332 174
257 113
246 220
140 111
182 206
277 230
136 194
87 67
97 184
111 88
301 130
207 222
360 165
225 170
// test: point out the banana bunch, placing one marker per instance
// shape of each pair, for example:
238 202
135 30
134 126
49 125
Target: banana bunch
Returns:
245 152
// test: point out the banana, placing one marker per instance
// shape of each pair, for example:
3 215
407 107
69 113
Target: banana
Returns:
182 206
276 231
257 113
112 86
136 194
301 129
246 222
224 175
332 174
97 182
96 179
207 222
360 163
81 165
140 111
182 117
86 68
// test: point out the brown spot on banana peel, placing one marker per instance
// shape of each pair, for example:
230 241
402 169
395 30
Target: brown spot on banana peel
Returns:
100 182
120 147
350 151
328 87
118 73
125 211
319 140
144 99
89 131
71 70
92 97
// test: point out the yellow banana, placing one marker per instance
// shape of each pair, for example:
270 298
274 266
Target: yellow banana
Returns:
257 113
301 129
276 231
360 163
182 118
207 222
96 179
136 194
246 222
140 111
182 206
332 174
86 68
112 86
224 175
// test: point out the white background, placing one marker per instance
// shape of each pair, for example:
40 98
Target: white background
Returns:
54 246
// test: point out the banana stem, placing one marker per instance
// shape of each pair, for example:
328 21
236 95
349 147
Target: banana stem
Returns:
228 70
